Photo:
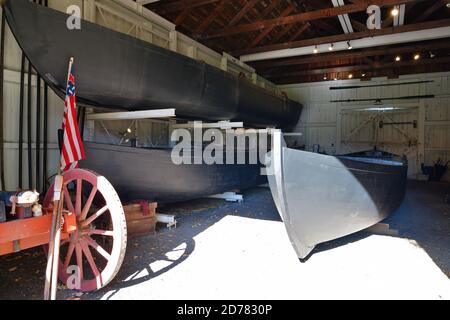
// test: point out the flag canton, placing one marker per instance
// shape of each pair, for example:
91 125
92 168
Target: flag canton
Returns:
70 88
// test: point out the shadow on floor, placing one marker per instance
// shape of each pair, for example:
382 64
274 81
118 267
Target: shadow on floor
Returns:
423 217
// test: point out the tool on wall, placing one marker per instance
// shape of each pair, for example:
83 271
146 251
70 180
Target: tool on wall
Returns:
381 124
379 100
381 85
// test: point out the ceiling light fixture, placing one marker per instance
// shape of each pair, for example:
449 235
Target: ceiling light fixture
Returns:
350 76
331 47
363 75
398 58
395 12
350 47
432 55
448 5
325 78
416 56
315 50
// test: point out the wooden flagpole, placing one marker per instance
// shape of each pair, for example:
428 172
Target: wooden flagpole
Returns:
51 275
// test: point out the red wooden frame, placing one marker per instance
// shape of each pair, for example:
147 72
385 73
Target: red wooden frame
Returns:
23 234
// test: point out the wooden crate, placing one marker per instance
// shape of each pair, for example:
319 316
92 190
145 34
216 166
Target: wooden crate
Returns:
141 218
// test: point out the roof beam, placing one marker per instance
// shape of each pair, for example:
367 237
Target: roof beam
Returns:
182 16
364 39
207 22
353 54
266 31
303 17
432 9
350 68
242 12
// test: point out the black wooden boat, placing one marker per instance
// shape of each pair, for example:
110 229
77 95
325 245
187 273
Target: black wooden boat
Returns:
139 173
321 197
118 71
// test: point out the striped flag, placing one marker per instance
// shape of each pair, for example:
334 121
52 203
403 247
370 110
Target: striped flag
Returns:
72 146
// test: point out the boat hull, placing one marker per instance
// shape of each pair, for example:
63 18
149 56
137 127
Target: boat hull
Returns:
117 71
150 174
322 198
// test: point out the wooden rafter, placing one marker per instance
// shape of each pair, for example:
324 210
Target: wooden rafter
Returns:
302 17
242 12
182 16
347 37
330 57
207 22
432 9
350 68
266 31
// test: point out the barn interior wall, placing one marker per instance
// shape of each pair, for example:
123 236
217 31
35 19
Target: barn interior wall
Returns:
344 127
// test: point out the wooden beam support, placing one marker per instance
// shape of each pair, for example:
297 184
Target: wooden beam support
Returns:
350 68
242 12
207 22
303 17
368 75
346 37
432 9
266 31
327 57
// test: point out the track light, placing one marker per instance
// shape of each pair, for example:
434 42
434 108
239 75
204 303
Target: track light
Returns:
325 78
417 56
432 55
331 47
448 5
398 58
363 75
350 47
350 76
395 12
315 50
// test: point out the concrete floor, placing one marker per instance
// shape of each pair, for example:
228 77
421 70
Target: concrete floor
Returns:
241 251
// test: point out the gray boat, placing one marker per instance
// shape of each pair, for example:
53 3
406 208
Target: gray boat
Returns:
321 197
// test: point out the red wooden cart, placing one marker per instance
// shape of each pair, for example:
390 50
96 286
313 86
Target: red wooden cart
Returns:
93 230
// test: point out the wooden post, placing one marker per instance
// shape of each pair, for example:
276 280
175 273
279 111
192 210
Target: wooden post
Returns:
57 198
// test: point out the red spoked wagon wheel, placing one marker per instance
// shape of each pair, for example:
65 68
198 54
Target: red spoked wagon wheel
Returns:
97 248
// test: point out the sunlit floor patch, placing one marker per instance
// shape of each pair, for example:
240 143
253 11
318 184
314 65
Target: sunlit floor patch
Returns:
243 258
